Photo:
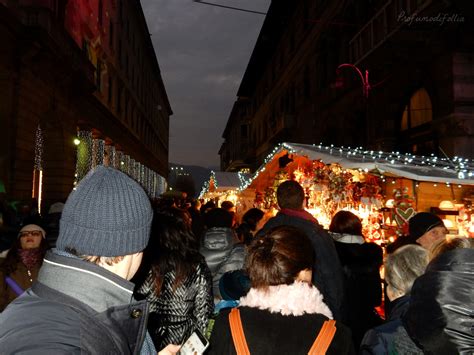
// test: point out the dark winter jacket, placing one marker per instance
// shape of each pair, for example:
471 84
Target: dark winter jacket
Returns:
244 231
327 271
440 315
391 337
280 321
75 307
21 277
223 252
176 313
363 287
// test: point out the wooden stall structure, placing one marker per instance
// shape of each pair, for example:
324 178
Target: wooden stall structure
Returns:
383 189
223 186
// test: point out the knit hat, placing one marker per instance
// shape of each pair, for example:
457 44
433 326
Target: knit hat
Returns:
56 207
108 214
423 222
32 228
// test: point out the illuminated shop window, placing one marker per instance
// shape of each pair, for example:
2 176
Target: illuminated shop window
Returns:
418 111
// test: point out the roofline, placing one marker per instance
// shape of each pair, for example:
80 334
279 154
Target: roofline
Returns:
151 49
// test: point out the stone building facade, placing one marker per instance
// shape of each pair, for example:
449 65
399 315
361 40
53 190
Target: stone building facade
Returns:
420 63
80 85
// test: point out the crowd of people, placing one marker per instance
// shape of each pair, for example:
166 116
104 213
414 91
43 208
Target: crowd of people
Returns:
127 276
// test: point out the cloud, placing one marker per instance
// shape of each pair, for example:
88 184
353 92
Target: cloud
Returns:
203 52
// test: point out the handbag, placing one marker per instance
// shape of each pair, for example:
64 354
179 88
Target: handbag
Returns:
319 347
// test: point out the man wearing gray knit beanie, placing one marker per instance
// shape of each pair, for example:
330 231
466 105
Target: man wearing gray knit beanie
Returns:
83 299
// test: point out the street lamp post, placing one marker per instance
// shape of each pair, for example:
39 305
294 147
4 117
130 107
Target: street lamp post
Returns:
366 87
364 78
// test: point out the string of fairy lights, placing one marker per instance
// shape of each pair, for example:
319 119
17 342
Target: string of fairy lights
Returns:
206 185
463 168
91 152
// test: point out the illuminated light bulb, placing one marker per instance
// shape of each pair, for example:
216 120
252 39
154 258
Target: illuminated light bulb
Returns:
77 141
448 224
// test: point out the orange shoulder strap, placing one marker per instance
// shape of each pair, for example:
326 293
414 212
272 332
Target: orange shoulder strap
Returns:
237 331
322 342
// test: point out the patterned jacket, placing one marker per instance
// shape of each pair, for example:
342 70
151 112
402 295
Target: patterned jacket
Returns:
176 313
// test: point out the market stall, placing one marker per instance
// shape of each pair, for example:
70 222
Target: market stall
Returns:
383 189
222 186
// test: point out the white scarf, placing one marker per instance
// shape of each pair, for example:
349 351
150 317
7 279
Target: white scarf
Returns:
295 299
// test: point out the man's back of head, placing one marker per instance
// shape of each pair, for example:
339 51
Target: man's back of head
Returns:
83 300
106 218
290 195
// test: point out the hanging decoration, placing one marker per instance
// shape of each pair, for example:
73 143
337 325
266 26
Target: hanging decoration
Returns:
403 209
83 155
98 148
37 190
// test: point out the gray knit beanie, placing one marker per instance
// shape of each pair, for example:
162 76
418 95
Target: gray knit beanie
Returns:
108 214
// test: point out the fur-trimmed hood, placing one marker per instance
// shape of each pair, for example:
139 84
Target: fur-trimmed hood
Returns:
295 299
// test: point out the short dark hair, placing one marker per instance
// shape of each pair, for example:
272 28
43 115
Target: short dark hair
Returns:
252 217
95 259
278 257
227 205
290 194
346 222
218 217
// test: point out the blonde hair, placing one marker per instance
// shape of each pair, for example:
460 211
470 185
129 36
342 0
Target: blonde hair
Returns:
445 245
403 266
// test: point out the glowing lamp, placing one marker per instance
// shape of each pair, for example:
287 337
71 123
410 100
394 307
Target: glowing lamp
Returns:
390 203
446 205
77 141
448 224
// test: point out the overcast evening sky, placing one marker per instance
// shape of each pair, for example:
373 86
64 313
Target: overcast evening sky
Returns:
203 52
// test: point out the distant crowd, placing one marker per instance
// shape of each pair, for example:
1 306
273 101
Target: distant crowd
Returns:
110 272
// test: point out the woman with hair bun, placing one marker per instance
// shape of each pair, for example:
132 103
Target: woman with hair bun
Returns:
282 313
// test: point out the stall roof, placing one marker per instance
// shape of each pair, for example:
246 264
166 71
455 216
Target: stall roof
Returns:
223 180
227 180
420 168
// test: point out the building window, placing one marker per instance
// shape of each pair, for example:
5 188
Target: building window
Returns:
418 111
111 35
100 12
109 94
119 101
98 76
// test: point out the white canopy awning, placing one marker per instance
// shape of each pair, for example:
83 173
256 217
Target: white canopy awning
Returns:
419 168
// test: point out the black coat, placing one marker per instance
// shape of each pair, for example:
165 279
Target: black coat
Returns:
327 271
440 315
391 337
363 286
74 307
273 333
